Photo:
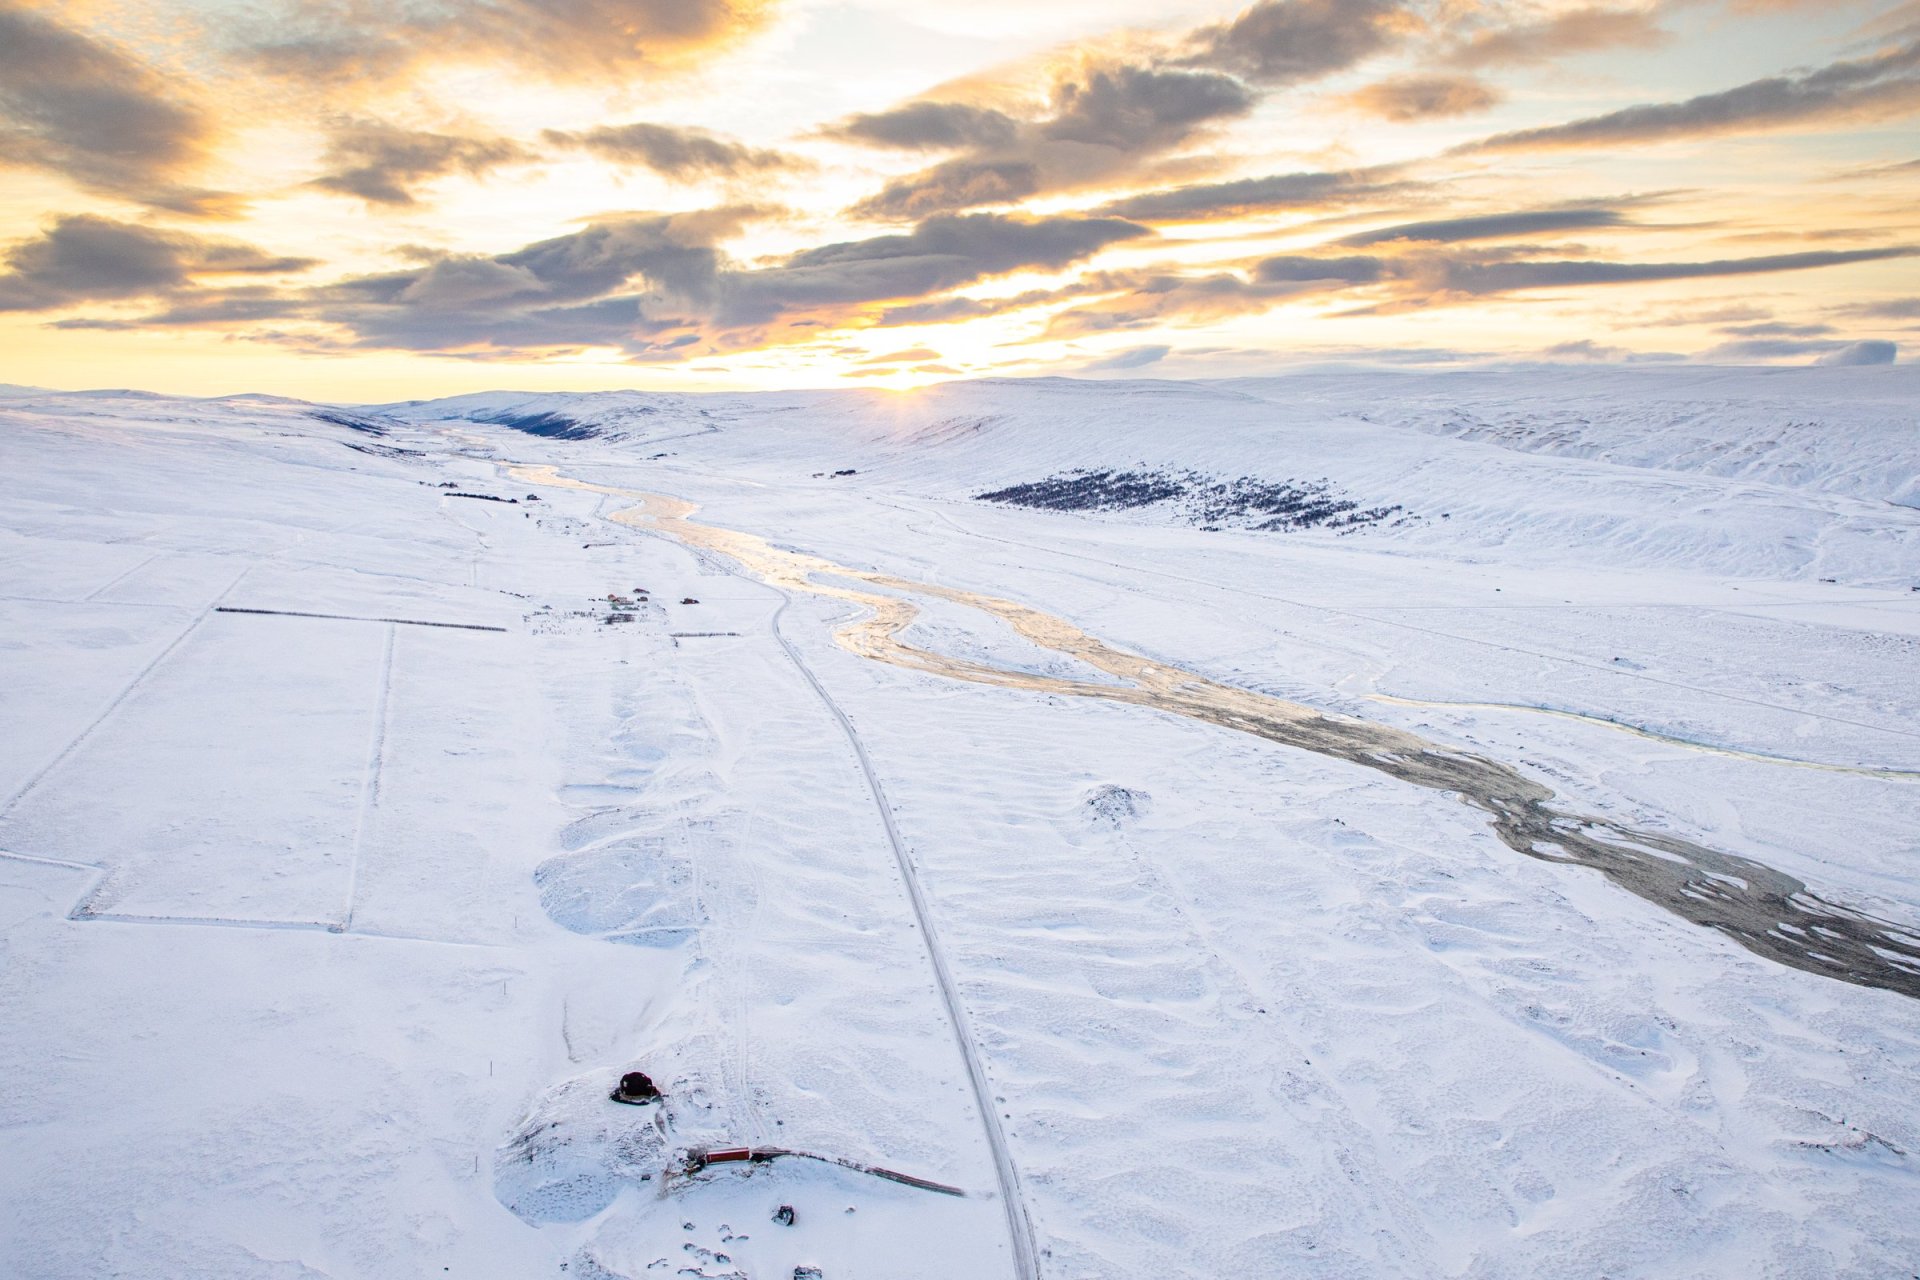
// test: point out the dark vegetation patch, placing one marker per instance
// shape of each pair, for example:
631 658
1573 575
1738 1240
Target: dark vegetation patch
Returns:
483 497
550 425
351 421
1287 504
383 450
1090 491
1208 501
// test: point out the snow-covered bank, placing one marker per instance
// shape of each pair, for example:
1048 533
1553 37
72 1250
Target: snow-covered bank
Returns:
381 910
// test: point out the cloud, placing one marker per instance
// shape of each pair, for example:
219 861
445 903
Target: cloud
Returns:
1108 117
672 152
1899 170
243 305
458 284
677 252
1136 300
1826 350
1422 97
941 253
1543 39
1889 309
1131 358
382 164
1150 299
1104 120
79 107
1871 351
1764 349
652 285
1309 190
1492 226
1586 349
1296 269
83 258
1281 42
928 126
361 42
1768 6
563 293
1719 315
956 184
1131 108
947 310
1777 329
1506 277
1885 84
908 356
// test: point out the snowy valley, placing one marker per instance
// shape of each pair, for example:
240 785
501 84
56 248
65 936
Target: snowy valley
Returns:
1344 824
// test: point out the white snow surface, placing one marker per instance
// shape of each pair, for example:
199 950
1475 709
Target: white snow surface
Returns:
324 934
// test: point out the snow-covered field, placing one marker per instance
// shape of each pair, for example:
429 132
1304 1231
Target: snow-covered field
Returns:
368 807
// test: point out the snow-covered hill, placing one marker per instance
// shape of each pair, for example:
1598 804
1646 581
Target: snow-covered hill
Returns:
1818 429
1799 473
612 416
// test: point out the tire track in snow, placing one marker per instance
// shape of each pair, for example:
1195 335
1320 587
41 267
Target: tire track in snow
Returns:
370 780
118 700
1019 1221
119 578
103 876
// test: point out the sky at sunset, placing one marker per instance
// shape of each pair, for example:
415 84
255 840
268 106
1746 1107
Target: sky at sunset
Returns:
371 201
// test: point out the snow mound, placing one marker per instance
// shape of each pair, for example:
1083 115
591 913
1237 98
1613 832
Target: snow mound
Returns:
577 1150
631 891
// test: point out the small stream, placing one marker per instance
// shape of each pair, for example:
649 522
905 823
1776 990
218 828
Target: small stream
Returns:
1769 912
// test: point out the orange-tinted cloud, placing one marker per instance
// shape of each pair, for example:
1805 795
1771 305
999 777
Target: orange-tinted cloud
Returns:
1109 118
1499 272
672 151
1493 226
382 164
1884 84
1142 300
928 126
1134 301
80 107
82 258
650 285
1576 31
1281 42
1423 97
1207 201
357 42
1104 120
